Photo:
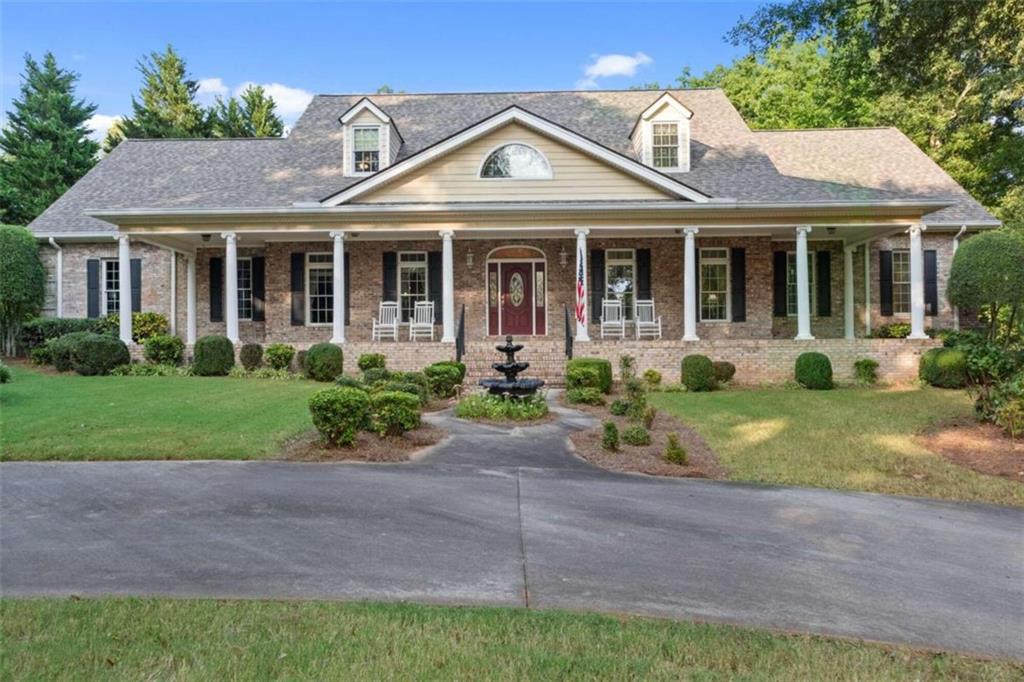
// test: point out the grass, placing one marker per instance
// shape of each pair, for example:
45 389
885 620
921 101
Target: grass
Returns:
70 417
132 639
849 438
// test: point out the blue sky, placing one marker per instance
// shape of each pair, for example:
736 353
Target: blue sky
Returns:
299 48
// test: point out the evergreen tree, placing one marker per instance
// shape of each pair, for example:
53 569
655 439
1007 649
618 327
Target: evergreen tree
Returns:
227 118
252 115
45 145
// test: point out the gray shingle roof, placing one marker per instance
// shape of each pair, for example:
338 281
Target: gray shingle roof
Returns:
728 159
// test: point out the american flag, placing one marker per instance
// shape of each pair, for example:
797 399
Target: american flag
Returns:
581 291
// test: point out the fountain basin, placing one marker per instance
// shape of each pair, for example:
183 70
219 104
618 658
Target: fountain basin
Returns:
516 389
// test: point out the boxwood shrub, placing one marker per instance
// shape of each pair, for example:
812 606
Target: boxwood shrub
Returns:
37 331
401 385
213 356
97 354
698 373
163 349
371 360
636 435
324 362
943 367
392 413
603 367
376 375
444 377
350 382
251 356
460 366
582 377
62 350
339 413
144 325
5 374
279 355
584 396
724 371
814 371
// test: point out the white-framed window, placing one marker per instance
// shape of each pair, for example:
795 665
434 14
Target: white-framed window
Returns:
714 285
111 298
665 145
620 278
244 279
412 284
516 161
366 149
901 281
319 289
791 308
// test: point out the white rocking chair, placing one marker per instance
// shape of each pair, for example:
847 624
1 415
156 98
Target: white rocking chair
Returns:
422 324
647 325
385 325
613 323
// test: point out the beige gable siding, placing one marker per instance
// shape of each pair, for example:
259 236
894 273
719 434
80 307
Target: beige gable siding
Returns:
455 177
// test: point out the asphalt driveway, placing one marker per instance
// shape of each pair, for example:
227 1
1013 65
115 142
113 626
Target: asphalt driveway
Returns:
505 518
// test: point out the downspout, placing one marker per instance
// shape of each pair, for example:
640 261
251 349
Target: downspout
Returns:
956 245
60 276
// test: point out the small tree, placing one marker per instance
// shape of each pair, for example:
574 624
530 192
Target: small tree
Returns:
22 282
988 276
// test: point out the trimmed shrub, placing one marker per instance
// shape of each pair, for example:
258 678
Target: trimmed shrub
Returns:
339 413
652 378
610 436
866 371
636 435
943 367
650 414
987 275
5 374
584 396
498 408
251 356
894 330
460 366
376 375
418 378
724 371
619 407
62 350
698 373
37 331
674 452
392 413
582 377
164 350
350 382
403 386
279 355
22 278
40 355
814 371
370 361
324 362
97 354
213 356
144 325
603 367
444 377
300 361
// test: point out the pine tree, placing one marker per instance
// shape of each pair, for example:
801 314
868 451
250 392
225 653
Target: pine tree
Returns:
228 119
45 145
260 114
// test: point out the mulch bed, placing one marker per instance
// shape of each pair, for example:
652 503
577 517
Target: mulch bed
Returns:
367 448
985 448
646 459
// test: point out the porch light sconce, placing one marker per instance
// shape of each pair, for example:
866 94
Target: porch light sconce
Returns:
563 257
830 230
205 237
469 259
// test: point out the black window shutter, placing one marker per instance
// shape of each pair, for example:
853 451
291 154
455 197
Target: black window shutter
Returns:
136 276
931 284
348 291
597 284
216 289
885 282
738 283
390 274
823 275
779 284
643 274
259 291
298 288
92 279
434 284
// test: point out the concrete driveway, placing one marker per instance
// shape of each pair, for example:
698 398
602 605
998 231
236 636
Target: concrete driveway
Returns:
510 518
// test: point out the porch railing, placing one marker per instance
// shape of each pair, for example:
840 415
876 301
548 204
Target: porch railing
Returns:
568 333
460 336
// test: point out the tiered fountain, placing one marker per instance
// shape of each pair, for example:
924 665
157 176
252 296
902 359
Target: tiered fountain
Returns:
511 386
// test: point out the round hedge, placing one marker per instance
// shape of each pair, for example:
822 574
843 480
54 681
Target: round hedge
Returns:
988 269
62 348
324 362
213 356
724 371
339 413
251 356
602 366
943 367
163 349
814 371
371 361
392 413
443 378
279 355
698 373
97 354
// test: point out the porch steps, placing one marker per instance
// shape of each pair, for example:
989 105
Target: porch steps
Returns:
546 358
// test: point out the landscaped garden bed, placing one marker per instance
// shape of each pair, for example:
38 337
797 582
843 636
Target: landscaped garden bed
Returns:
983 447
493 409
367 447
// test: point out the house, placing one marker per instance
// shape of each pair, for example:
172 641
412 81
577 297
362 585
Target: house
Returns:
521 214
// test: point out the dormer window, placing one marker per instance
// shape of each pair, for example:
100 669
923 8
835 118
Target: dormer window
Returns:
371 139
366 149
516 161
665 145
661 136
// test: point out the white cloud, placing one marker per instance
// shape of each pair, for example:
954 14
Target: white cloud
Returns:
99 124
290 102
210 89
607 65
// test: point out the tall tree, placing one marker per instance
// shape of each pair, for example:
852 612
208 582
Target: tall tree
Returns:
45 144
22 282
252 114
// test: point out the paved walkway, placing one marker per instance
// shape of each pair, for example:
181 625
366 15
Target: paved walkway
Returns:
494 517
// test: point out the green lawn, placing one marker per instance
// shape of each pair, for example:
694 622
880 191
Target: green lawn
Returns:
70 417
849 438
136 639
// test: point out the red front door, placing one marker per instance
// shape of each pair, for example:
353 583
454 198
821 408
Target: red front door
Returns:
516 298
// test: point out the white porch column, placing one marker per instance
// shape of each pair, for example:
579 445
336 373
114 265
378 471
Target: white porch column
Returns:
956 245
867 288
582 286
803 290
124 283
338 289
848 291
447 287
916 283
231 290
690 285
190 301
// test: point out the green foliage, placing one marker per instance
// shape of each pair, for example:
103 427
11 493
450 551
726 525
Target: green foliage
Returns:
324 362
988 274
649 415
444 377
98 354
460 366
1008 405
5 374
498 408
674 452
619 407
252 114
62 349
376 375
943 367
163 349
144 325
44 144
401 385
610 436
698 373
238 372
392 413
371 361
251 356
147 370
22 280
584 396
627 367
636 435
603 367
866 371
37 331
350 382
893 330
814 371
582 377
988 365
339 414
724 371
213 356
300 360
279 355
652 378
40 355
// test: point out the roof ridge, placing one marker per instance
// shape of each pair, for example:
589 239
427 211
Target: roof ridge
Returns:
821 129
505 92
198 139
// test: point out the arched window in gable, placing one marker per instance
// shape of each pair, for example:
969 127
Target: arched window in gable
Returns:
516 161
